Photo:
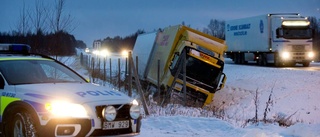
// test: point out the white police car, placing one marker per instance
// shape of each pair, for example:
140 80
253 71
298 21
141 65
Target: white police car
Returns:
42 97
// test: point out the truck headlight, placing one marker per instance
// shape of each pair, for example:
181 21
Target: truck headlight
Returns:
109 113
66 109
135 110
285 55
310 55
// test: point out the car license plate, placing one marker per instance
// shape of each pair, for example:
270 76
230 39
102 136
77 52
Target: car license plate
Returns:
115 125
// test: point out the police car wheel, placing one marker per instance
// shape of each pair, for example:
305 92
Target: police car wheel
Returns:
23 125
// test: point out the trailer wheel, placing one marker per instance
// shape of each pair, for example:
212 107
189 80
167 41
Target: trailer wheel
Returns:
236 58
239 58
262 60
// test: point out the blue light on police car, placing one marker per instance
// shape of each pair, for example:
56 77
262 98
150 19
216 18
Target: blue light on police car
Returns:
15 48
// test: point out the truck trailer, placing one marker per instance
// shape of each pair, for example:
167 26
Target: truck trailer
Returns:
279 39
173 46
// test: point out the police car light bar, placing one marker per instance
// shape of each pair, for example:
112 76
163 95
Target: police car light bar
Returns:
15 48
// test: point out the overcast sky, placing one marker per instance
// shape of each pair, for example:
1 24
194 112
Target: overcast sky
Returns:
97 19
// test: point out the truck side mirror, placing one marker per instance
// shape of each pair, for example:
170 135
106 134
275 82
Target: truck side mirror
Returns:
279 32
1 82
223 81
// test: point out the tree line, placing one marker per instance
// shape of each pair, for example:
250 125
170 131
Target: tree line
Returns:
45 28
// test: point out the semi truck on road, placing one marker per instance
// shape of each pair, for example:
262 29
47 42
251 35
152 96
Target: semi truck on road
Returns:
279 39
201 54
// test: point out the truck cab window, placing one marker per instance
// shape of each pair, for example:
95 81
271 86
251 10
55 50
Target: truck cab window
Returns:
297 33
174 61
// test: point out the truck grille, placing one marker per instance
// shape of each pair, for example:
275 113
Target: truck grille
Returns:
298 55
298 48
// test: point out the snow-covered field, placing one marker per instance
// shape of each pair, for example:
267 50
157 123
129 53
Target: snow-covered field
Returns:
294 100
275 95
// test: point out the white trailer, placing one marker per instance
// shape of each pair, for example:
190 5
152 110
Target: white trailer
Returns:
279 39
144 49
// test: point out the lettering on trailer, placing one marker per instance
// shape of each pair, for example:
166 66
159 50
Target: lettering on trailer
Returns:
239 29
98 93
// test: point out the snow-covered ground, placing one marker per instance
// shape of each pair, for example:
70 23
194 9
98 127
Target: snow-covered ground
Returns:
294 100
274 95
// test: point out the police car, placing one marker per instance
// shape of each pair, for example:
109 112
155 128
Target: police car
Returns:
42 97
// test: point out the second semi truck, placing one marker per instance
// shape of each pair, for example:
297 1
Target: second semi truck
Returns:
178 47
279 39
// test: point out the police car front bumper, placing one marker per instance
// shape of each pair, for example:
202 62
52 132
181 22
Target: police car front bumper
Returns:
83 127
66 127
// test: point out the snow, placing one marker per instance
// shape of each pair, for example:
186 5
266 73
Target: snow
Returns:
289 95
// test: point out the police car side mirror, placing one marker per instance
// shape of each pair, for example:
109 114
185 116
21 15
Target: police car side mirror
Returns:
1 82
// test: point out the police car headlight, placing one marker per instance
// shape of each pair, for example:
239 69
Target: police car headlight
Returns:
109 113
135 110
66 109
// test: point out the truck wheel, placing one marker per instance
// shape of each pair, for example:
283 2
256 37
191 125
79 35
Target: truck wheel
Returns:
306 64
262 60
236 58
277 62
22 125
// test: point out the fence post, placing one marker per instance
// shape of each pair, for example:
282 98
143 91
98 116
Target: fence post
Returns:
99 68
137 63
126 69
104 70
130 75
137 82
110 72
92 63
119 72
158 76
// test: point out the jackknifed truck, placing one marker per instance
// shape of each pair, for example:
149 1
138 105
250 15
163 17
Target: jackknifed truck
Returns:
190 62
278 39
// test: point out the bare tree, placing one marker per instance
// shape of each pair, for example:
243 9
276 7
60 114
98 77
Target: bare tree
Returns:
39 16
216 28
58 21
23 26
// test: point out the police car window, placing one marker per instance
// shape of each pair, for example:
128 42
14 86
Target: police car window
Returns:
54 74
36 71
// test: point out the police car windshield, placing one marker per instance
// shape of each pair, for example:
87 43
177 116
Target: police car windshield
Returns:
36 71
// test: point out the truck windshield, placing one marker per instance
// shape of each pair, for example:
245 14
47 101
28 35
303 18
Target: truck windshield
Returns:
200 73
36 71
297 33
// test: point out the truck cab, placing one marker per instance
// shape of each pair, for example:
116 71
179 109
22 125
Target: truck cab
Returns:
293 39
204 64
187 63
